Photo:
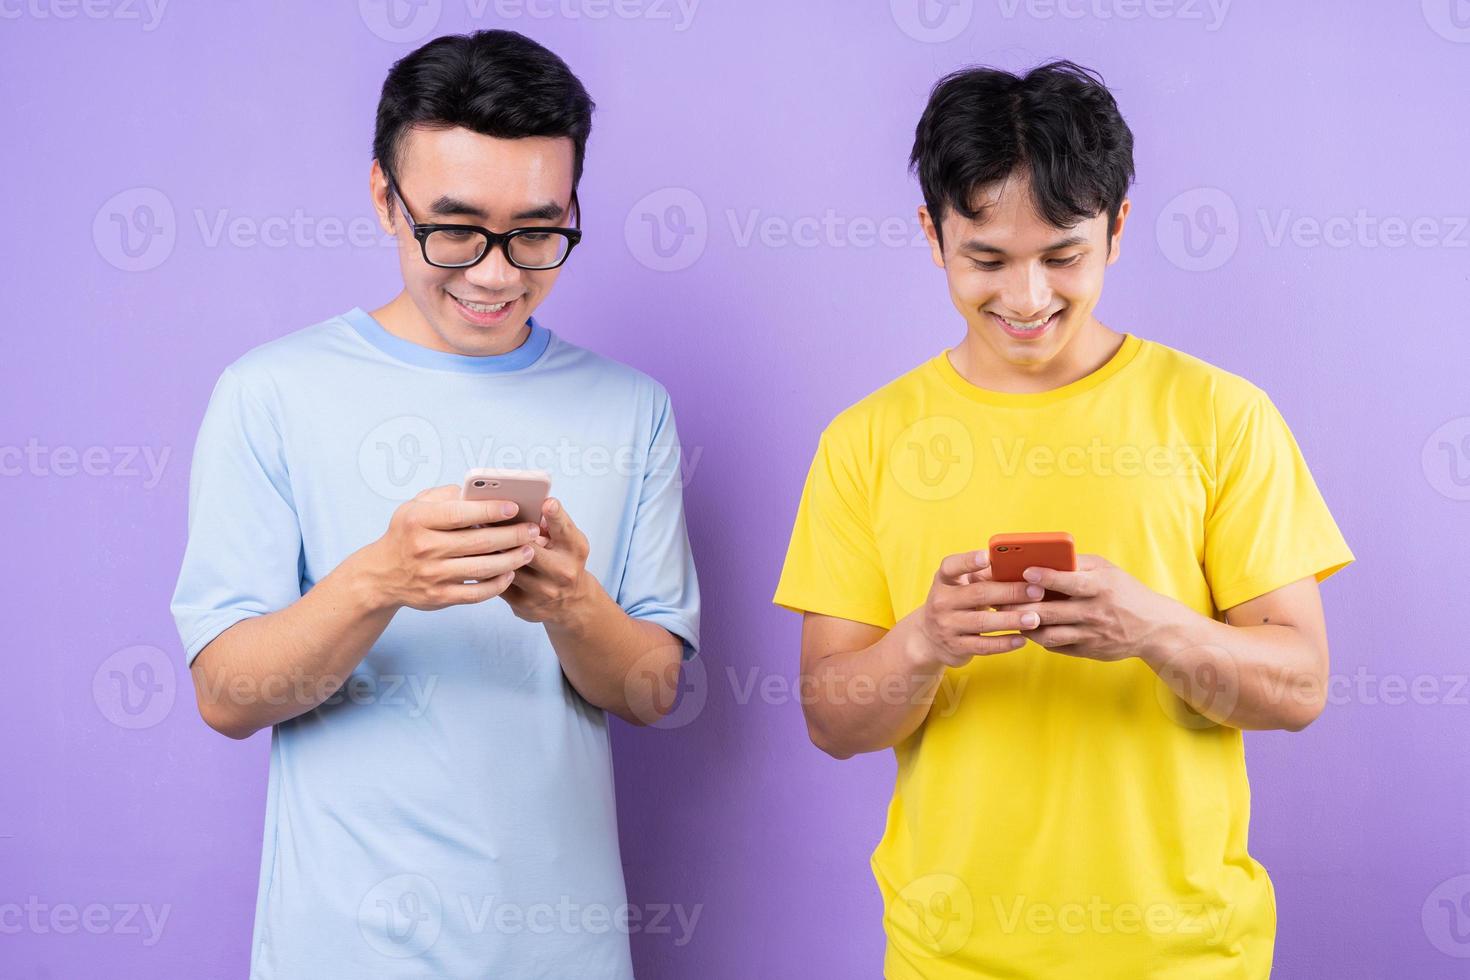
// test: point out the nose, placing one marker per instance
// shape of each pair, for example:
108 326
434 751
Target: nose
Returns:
494 273
1026 292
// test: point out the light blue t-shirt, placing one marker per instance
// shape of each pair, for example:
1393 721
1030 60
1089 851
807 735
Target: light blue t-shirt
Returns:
450 811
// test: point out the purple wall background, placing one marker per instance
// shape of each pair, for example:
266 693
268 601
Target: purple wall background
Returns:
1325 116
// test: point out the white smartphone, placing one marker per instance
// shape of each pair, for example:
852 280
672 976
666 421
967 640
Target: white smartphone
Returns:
528 489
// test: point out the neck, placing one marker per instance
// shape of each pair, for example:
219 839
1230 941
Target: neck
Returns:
978 363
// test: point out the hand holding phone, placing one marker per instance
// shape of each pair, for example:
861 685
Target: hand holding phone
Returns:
1012 554
527 489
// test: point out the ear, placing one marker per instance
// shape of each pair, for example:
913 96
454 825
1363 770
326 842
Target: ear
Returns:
378 188
1117 248
931 232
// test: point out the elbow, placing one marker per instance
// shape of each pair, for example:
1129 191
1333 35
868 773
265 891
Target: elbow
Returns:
223 723
1303 716
824 741
1302 711
1309 699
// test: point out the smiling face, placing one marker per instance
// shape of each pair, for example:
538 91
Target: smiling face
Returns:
1026 288
456 176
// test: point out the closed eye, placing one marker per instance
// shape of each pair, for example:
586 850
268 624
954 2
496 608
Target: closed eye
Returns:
1054 263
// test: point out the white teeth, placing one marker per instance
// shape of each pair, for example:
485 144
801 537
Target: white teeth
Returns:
1028 324
482 307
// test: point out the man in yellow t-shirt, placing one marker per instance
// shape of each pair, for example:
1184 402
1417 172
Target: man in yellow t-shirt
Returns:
1071 800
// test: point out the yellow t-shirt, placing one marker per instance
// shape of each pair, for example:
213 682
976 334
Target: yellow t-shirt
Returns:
1055 816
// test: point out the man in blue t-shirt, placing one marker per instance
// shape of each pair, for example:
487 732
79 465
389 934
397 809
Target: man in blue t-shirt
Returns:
440 799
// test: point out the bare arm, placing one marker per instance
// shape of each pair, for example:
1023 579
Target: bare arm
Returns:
1265 667
618 663
267 669
872 688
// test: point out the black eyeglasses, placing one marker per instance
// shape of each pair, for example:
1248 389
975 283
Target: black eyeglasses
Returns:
462 246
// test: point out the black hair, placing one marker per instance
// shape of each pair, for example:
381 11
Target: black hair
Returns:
1057 125
496 83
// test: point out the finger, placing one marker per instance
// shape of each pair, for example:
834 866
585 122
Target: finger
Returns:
1053 612
982 646
448 515
986 621
1053 637
988 592
560 528
554 517
1079 585
472 592
952 567
552 564
486 540
448 491
1090 563
481 567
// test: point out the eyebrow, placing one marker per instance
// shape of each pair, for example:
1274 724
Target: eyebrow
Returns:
975 245
447 205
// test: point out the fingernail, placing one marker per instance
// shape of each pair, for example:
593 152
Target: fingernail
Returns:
528 552
1030 621
1032 575
1034 592
1017 641
507 509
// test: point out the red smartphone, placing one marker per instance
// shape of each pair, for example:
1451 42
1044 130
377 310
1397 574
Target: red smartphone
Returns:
1012 554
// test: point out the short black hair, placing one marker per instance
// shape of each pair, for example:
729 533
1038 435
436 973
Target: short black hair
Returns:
1058 125
496 83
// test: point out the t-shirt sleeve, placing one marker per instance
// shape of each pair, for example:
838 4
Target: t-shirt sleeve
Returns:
832 566
659 583
243 556
1268 525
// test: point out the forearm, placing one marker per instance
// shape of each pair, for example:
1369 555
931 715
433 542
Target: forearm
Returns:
873 698
267 669
1265 676
616 662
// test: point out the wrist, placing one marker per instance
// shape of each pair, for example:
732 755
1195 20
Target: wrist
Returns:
366 582
580 612
919 656
1179 629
